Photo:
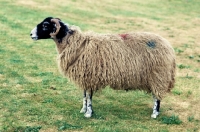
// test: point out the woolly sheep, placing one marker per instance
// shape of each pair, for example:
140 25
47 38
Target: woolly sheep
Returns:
143 61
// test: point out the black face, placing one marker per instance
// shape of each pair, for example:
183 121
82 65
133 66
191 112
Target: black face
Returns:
43 30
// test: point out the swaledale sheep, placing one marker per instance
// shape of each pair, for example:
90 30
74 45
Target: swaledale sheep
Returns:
93 61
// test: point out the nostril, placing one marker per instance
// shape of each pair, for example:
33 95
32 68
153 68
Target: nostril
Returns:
31 34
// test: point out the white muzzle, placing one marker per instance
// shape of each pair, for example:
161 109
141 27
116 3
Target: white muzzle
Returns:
33 34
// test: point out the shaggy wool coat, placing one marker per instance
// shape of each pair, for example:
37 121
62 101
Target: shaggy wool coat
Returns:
131 61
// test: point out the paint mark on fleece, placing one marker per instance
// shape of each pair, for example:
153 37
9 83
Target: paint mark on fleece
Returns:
151 44
123 36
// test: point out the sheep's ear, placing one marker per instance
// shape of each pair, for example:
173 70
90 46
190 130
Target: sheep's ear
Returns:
70 31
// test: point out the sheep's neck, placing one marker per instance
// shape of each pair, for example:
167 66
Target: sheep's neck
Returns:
61 45
73 49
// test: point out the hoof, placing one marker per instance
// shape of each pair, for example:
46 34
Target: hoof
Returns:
88 115
83 110
154 115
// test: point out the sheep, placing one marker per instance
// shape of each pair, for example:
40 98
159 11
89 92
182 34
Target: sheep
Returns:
137 60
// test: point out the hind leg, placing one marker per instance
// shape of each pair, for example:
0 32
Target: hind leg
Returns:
156 107
84 108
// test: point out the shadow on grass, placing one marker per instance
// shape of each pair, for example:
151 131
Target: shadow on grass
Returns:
28 129
63 125
136 112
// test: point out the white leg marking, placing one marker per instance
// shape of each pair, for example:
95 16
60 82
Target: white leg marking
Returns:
155 108
84 108
88 113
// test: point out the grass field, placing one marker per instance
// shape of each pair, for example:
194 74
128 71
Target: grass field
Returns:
34 96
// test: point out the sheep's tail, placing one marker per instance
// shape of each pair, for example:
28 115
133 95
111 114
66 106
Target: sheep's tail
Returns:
173 72
160 90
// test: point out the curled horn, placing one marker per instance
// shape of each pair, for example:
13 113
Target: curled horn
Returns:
56 21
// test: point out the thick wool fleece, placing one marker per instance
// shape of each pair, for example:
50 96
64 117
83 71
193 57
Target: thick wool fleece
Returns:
131 61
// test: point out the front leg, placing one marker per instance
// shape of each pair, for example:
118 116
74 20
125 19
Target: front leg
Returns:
156 108
89 111
84 108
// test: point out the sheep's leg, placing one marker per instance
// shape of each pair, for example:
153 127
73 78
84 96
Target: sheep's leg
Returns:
89 94
156 107
84 108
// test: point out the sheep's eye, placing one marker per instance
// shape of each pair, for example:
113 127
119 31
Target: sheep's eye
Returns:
45 26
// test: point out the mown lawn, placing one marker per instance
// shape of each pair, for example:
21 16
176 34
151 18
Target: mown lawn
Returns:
34 96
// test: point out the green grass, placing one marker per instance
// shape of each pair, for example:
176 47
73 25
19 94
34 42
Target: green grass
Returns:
35 97
171 120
